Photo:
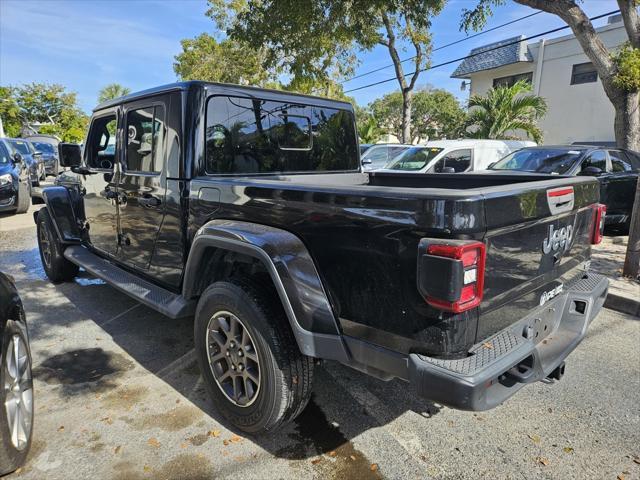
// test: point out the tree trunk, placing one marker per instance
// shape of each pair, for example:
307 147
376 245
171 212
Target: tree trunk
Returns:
632 259
407 101
627 120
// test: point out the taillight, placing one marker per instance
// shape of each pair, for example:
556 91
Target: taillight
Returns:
598 225
451 274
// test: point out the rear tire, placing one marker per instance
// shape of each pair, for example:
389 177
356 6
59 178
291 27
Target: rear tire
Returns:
57 268
24 198
15 441
261 328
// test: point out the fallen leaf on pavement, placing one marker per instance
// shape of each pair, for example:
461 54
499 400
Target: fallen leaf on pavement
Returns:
352 457
214 433
637 460
235 439
118 449
332 453
225 442
183 445
61 428
568 450
107 420
534 438
620 477
146 468
542 461
153 442
316 461
374 467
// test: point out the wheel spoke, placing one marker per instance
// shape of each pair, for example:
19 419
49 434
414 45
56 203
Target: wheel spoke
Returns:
217 337
26 384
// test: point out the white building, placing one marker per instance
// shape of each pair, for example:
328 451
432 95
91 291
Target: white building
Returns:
578 109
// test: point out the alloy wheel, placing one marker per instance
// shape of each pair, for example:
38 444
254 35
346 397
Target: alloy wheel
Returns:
45 245
18 392
233 358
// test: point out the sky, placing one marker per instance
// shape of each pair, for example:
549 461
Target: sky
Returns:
85 45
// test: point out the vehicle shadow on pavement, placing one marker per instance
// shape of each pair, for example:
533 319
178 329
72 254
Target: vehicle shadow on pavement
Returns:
345 402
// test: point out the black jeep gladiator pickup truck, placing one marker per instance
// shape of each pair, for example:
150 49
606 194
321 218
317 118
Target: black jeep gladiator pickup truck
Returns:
247 209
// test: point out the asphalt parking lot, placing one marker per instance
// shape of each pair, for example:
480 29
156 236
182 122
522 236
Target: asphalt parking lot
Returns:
118 395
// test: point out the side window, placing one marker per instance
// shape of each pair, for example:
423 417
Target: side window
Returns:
597 159
459 160
145 134
101 144
633 158
619 163
250 135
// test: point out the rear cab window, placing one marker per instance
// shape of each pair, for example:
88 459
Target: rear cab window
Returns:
256 136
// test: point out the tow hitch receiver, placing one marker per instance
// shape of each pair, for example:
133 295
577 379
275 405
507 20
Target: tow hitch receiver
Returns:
558 373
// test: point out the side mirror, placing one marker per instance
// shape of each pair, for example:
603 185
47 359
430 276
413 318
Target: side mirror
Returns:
448 170
17 158
366 162
591 170
70 154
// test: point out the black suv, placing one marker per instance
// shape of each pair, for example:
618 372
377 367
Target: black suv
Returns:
248 209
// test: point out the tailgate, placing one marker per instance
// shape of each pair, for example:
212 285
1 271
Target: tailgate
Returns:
538 240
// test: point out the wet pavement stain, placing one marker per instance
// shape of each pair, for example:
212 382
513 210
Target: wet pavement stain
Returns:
171 421
93 366
198 439
184 466
124 398
340 457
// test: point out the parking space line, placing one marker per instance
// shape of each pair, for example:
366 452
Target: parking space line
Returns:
119 315
178 363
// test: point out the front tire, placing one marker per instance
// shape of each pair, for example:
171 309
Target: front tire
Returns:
24 198
16 397
252 367
57 268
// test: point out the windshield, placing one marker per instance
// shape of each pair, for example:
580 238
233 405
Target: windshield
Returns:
21 146
539 160
44 147
415 158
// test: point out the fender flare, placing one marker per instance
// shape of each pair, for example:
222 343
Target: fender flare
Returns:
60 205
292 271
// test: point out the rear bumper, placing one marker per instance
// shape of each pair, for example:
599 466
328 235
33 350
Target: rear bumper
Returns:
528 351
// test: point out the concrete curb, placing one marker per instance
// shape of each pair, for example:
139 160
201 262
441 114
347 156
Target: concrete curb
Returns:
622 304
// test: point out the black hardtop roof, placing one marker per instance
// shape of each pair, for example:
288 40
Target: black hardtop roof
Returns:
197 83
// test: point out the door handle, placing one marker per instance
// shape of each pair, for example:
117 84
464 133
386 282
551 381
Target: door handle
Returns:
149 201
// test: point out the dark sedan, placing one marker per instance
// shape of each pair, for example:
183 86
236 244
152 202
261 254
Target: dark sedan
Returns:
16 382
617 170
15 182
30 156
49 157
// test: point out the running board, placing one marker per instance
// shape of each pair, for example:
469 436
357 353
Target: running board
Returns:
168 303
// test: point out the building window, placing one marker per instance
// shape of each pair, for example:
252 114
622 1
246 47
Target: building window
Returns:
511 79
583 73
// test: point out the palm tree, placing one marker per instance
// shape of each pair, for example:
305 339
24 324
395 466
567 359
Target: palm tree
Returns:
504 110
369 131
111 91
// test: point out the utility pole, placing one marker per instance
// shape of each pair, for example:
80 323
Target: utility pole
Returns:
632 259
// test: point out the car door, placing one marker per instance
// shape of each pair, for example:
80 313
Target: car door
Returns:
622 186
596 159
99 184
142 183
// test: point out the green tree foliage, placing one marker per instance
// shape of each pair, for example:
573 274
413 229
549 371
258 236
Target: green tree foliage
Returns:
111 91
436 113
369 130
627 60
49 105
9 112
317 39
228 61
505 110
